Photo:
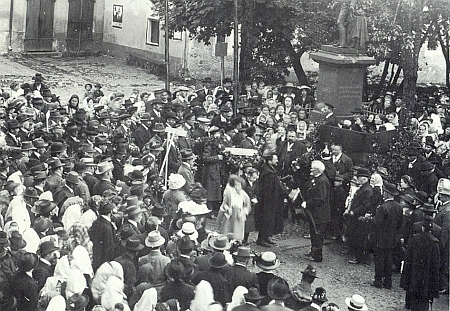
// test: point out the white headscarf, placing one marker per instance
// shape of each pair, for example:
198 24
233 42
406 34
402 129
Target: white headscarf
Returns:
238 297
58 303
113 293
102 275
148 300
79 260
204 296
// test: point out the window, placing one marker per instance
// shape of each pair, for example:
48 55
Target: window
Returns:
152 31
177 35
220 38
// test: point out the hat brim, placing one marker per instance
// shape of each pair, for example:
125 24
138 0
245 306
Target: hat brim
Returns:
158 243
138 248
235 254
348 301
312 275
226 247
268 268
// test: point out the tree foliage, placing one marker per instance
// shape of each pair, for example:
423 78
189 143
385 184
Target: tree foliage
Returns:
274 33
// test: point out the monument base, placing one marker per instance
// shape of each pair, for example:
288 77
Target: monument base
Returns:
341 77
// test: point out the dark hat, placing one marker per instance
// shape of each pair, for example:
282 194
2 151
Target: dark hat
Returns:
187 154
119 138
207 79
170 115
391 188
430 142
408 199
30 192
38 77
37 101
103 115
40 143
278 289
156 101
77 302
159 210
253 294
55 163
72 127
79 167
101 140
427 166
136 175
225 108
175 270
15 154
311 271
329 105
12 124
55 114
40 175
363 172
98 85
320 294
220 242
41 224
73 178
428 208
22 118
185 243
46 247
133 210
218 261
27 262
158 128
105 208
132 244
227 80
90 130
56 147
427 222
16 240
42 207
243 251
338 178
4 242
126 232
421 197
146 117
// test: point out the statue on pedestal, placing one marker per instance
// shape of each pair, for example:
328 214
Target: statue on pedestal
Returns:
352 23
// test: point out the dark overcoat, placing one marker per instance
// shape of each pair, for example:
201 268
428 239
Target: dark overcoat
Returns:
269 210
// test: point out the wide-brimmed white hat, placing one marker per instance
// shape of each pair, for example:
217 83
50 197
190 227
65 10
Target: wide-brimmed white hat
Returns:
190 207
356 302
189 230
154 239
443 186
176 181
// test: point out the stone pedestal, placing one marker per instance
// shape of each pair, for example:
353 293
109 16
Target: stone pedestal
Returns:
341 77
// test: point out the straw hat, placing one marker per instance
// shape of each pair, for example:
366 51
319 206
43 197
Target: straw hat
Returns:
176 181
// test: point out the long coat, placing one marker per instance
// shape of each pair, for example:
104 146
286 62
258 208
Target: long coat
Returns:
211 171
25 289
388 221
268 214
102 235
317 197
238 275
361 204
219 284
421 269
41 273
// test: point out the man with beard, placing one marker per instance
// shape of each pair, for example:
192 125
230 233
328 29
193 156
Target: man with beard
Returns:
222 120
268 215
317 204
288 151
49 255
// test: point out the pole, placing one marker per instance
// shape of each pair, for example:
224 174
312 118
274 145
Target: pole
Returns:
166 45
222 69
236 58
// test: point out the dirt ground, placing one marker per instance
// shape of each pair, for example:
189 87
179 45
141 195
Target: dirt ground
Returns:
67 76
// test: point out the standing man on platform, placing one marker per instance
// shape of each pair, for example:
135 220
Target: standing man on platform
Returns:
345 12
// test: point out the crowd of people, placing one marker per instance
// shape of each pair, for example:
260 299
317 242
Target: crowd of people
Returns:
105 201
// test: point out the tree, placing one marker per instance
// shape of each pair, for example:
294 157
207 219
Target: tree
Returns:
439 32
274 33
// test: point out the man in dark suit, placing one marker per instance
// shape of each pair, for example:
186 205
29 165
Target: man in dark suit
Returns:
102 234
89 177
343 164
185 246
222 119
154 108
388 220
252 301
413 165
55 179
238 275
104 169
330 118
186 167
288 151
205 90
360 205
317 203
142 134
23 287
47 261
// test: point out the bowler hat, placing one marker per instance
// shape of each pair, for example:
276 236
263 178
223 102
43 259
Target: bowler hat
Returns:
363 172
225 108
90 130
278 289
227 80
39 175
218 261
77 302
430 142
320 294
159 210
408 199
101 140
73 178
46 247
185 243
132 244
30 192
136 175
56 147
158 128
187 154
427 166
39 143
175 270
12 124
16 240
391 188
41 224
253 294
27 262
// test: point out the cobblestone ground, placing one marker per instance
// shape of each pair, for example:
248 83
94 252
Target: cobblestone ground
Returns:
67 76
